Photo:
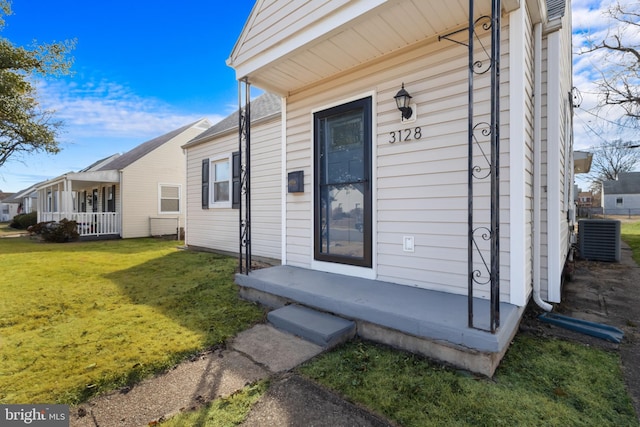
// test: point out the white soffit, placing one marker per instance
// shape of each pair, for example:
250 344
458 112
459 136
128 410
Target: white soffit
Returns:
334 41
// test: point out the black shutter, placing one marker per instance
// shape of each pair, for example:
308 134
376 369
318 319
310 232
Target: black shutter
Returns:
104 199
236 172
205 183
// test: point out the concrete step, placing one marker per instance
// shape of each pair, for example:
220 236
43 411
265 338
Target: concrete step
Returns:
320 328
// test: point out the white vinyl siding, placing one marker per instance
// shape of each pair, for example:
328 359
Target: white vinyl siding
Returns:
140 187
217 229
557 176
420 186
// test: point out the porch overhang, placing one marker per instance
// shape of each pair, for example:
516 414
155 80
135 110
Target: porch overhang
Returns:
82 180
321 43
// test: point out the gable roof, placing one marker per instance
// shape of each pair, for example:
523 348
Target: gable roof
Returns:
4 195
286 46
18 196
145 148
627 183
99 163
263 107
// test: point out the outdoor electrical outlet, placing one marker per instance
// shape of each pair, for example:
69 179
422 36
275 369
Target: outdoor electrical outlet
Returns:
407 244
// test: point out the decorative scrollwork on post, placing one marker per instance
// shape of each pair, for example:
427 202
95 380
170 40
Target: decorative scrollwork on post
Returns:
244 147
481 277
481 172
483 249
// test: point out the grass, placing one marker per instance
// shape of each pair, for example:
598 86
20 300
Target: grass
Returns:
77 319
630 233
5 230
224 412
540 382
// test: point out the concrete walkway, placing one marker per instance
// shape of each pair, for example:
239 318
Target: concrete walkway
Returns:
257 353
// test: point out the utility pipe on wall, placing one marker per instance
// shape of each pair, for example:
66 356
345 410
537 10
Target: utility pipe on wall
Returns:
537 165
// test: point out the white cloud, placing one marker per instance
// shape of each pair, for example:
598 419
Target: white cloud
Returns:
101 117
110 110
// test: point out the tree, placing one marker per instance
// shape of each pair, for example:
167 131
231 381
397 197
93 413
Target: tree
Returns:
612 159
24 126
618 59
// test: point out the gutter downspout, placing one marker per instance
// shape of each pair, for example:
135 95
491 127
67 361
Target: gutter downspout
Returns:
537 165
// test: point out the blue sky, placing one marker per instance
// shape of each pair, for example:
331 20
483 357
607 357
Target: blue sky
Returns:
145 68
141 69
593 126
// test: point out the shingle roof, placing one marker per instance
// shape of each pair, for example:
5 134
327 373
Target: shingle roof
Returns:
556 8
4 195
97 163
143 149
263 106
627 183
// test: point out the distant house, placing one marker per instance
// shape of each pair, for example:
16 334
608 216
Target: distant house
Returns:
585 199
24 201
8 209
622 197
212 176
136 194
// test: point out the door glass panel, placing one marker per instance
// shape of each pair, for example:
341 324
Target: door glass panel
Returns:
343 159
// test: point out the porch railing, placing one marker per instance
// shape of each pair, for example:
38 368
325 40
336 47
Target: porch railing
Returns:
89 223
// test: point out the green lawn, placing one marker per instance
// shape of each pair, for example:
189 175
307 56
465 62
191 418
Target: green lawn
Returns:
630 233
539 382
5 230
80 318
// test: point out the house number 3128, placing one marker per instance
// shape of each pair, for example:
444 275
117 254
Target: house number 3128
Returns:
405 135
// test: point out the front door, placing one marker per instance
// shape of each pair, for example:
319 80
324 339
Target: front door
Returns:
342 205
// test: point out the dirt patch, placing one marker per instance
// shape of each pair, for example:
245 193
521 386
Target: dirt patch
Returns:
606 293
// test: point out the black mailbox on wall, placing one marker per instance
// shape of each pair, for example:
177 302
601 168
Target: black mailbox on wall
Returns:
296 182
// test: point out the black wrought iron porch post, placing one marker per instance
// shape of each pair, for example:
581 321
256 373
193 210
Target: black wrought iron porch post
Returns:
244 149
495 162
488 271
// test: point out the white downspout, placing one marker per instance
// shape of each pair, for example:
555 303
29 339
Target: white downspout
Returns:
537 164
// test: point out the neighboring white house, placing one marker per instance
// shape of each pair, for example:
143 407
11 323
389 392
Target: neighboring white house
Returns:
212 212
23 201
406 205
622 197
8 207
136 194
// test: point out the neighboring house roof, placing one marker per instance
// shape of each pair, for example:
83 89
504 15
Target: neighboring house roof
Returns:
4 195
27 192
627 183
263 107
145 148
98 164
556 8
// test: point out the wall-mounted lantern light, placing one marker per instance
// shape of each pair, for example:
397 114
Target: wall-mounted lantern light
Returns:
403 100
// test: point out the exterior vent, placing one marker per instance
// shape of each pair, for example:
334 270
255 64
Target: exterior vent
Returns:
599 239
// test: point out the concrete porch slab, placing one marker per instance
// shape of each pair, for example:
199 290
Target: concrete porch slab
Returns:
427 322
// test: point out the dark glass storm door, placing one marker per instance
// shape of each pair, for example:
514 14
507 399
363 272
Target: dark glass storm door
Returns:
342 205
